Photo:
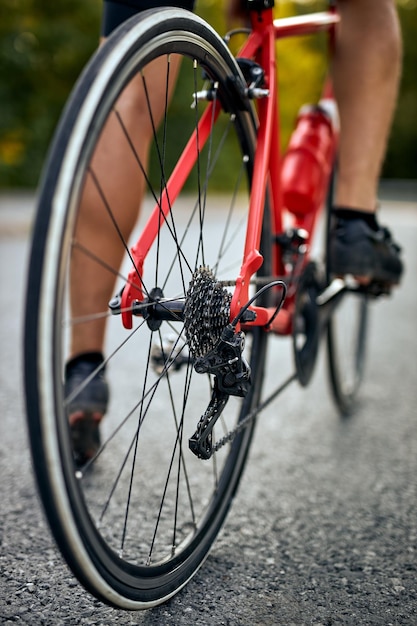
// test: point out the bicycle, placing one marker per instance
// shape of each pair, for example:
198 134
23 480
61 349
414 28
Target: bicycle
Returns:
177 435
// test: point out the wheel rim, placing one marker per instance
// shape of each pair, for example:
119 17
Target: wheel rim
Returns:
109 522
346 349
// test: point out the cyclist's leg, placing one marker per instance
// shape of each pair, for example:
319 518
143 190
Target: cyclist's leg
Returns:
115 167
91 284
115 181
366 74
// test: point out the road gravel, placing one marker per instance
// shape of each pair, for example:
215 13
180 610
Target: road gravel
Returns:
324 528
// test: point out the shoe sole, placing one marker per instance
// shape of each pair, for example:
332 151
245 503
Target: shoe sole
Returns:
85 435
365 272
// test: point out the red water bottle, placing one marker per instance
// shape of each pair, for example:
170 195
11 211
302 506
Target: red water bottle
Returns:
308 161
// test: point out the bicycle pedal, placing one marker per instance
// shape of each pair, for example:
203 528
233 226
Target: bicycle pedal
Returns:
377 289
373 289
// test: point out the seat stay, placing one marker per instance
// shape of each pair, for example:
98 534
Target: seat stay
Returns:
261 47
133 290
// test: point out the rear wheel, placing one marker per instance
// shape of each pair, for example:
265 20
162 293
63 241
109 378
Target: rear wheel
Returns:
136 523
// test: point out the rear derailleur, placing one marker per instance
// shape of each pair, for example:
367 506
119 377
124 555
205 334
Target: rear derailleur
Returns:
231 378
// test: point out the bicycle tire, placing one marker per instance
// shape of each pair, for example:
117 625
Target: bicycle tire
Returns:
140 554
346 339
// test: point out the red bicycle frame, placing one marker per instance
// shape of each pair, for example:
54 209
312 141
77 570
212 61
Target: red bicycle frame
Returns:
260 46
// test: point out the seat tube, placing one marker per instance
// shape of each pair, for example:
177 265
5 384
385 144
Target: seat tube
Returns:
262 24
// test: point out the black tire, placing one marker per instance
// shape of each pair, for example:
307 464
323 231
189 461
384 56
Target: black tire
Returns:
347 333
138 521
346 343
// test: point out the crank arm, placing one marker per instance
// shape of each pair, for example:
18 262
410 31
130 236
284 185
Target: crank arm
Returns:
328 300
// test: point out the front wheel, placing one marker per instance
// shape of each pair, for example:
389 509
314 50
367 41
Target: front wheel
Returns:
138 521
346 343
347 333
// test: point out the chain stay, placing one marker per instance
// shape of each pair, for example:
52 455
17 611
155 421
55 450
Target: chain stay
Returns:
229 437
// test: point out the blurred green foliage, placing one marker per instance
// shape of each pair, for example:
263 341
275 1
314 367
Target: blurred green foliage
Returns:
44 45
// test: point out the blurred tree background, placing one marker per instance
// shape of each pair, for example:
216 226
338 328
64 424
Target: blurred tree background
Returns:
44 45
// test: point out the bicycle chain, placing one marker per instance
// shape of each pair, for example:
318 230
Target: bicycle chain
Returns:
228 438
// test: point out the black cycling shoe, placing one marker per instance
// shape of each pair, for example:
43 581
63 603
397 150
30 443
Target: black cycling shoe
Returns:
86 409
369 254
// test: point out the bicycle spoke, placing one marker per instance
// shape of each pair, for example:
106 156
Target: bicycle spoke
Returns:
142 508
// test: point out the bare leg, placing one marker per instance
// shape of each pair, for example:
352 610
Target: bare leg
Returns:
367 68
115 167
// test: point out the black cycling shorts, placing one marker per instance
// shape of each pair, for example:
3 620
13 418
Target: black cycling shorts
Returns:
115 12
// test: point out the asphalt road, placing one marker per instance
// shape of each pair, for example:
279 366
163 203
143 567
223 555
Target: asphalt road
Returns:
324 528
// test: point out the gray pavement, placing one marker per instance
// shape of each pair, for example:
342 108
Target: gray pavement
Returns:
324 528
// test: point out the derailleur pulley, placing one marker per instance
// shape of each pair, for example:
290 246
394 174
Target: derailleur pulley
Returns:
231 378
